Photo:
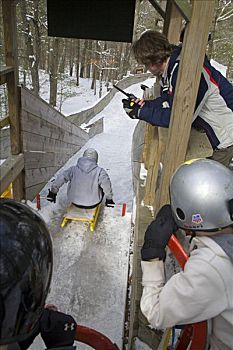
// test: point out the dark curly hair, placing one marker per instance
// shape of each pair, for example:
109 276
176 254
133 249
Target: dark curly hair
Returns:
152 48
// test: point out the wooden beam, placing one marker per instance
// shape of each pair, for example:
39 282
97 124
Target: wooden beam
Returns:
172 23
10 34
192 57
10 41
9 24
151 152
11 59
9 170
184 8
5 69
158 8
152 160
4 122
3 73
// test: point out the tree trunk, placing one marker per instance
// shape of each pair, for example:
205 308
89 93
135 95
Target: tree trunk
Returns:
89 56
48 55
62 58
101 82
93 83
229 68
126 59
211 43
53 72
32 59
83 59
37 44
118 73
71 57
77 61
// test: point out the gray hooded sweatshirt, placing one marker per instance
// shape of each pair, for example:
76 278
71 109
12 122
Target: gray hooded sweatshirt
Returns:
87 183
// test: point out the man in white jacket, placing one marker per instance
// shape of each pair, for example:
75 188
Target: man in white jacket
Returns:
88 183
201 194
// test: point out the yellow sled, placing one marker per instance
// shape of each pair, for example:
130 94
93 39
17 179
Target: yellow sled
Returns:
8 193
84 215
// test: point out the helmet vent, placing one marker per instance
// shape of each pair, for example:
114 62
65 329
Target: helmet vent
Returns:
180 214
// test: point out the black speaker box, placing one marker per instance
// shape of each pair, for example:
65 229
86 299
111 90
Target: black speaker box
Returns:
110 20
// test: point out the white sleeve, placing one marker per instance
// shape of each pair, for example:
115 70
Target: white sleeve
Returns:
193 295
65 176
105 183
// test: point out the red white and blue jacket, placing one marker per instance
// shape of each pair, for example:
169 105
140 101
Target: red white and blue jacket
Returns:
214 105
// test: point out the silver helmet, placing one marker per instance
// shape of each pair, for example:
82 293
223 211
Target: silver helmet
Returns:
91 153
201 193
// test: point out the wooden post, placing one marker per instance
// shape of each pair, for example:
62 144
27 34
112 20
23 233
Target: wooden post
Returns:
186 89
172 23
9 24
172 29
11 58
188 80
156 140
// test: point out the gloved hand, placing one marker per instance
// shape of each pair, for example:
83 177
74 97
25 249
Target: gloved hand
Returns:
131 108
158 234
109 203
51 197
57 329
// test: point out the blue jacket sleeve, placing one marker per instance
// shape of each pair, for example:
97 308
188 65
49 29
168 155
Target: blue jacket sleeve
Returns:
158 112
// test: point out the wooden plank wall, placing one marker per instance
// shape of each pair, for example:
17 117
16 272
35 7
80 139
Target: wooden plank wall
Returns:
48 141
188 80
152 152
5 143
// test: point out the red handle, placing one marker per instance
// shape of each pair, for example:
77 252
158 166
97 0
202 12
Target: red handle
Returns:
178 251
95 339
197 332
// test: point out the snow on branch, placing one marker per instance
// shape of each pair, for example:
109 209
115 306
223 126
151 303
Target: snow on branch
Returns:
225 16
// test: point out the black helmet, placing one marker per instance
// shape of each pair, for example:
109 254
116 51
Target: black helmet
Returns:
26 262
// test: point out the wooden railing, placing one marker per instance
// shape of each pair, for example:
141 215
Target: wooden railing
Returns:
155 145
48 141
9 76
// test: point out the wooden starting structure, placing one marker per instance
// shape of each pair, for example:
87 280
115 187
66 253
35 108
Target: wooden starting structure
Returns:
172 145
169 146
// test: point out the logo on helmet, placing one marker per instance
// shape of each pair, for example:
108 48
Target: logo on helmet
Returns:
196 218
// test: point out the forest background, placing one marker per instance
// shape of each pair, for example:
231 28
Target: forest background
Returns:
104 62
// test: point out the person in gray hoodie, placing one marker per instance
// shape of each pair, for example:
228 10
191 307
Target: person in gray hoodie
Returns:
88 183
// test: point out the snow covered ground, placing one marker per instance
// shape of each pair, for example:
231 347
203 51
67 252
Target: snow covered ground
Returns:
91 269
70 97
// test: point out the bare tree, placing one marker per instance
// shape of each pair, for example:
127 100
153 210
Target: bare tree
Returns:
77 60
54 55
89 61
71 57
83 59
30 54
37 40
62 58
221 47
95 67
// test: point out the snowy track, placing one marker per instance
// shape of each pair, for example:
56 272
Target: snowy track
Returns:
91 269
90 273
